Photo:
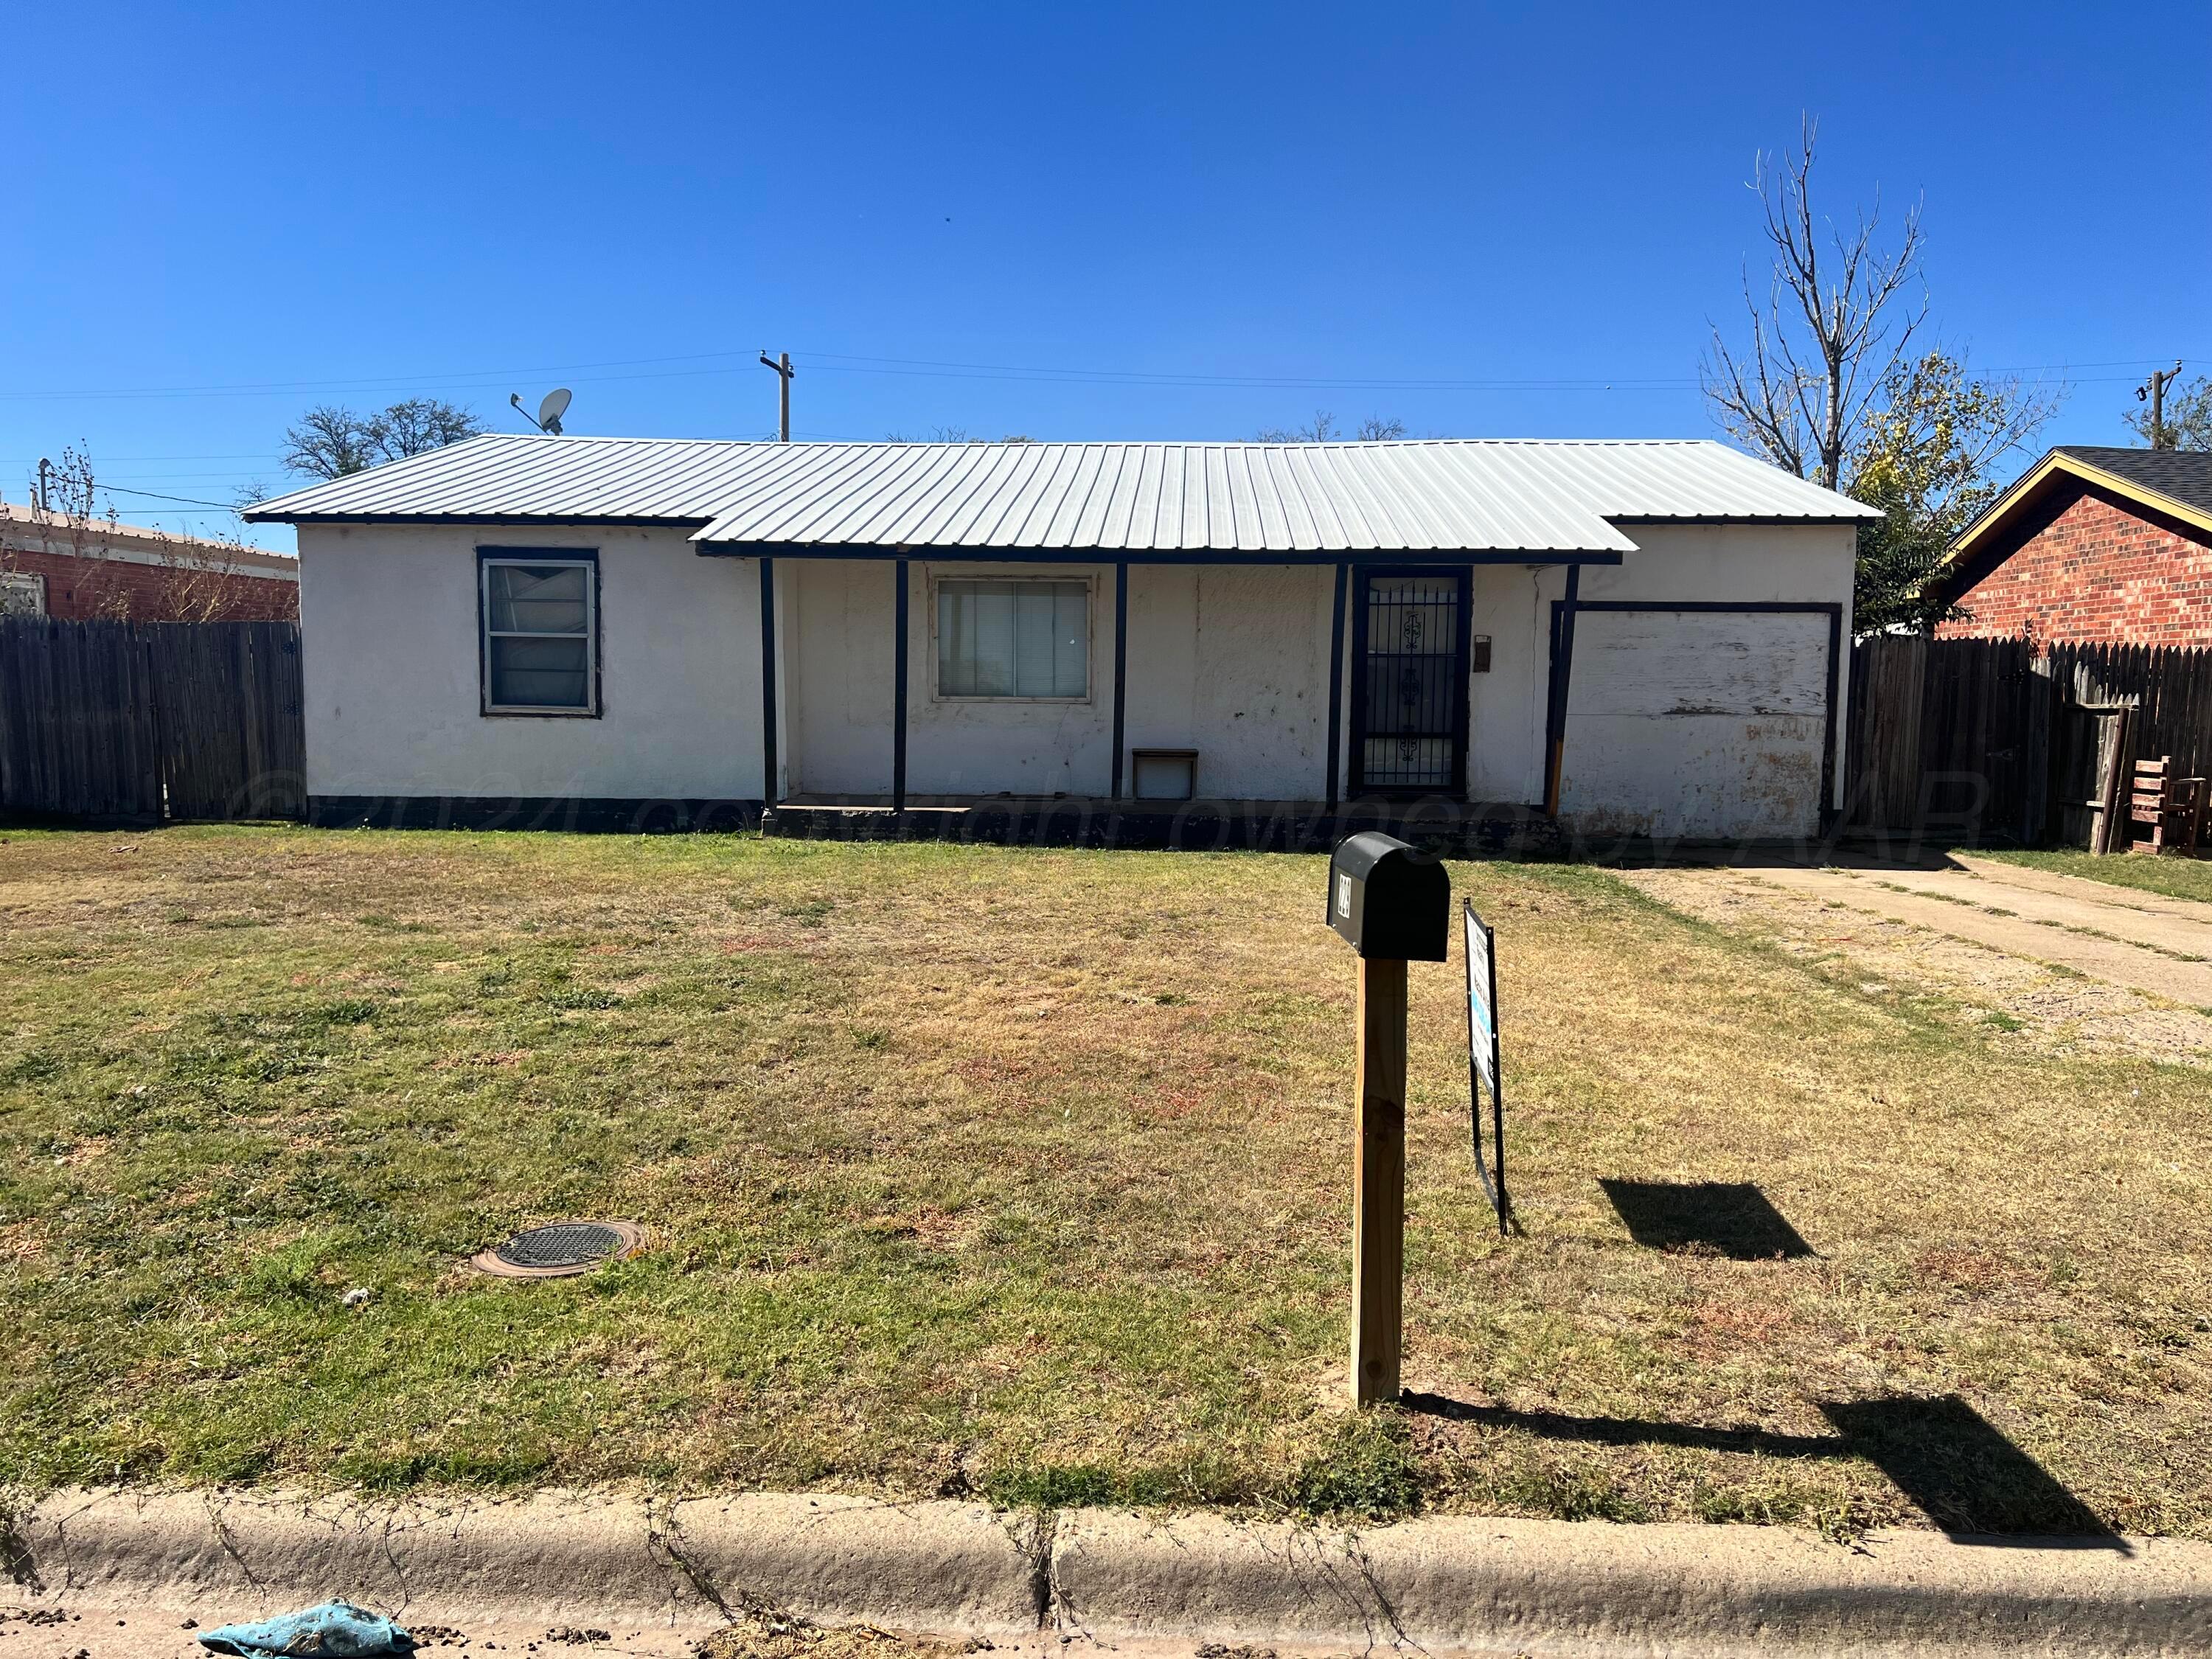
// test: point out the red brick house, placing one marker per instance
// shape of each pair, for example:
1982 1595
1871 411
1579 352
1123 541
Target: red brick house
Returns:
2091 545
74 569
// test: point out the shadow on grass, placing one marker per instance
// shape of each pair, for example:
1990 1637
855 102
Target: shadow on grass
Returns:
1729 1218
1955 1466
1962 1472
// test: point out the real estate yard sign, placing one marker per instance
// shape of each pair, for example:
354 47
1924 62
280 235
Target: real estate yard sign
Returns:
1482 1065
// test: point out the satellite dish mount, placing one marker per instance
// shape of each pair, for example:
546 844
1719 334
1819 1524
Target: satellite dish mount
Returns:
548 417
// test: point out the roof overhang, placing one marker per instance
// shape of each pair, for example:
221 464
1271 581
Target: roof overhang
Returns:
1215 555
2058 467
551 520
1791 520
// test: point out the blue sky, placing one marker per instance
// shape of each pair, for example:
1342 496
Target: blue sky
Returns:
1149 222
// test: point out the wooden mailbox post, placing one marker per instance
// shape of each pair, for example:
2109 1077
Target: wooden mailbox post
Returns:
1393 903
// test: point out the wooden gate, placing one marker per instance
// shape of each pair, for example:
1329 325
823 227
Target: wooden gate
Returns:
146 721
2092 752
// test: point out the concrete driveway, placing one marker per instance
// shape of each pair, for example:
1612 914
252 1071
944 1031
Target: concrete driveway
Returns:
2160 946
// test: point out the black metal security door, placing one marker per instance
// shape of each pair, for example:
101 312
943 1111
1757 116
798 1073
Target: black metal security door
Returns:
1409 698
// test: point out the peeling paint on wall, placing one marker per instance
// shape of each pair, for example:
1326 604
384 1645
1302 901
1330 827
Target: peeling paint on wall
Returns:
1704 725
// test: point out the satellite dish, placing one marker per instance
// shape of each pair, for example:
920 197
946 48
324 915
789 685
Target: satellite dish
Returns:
555 406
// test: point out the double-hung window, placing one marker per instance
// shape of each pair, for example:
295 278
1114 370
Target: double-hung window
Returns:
541 631
1029 640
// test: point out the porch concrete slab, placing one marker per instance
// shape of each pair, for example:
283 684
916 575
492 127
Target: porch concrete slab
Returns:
2163 955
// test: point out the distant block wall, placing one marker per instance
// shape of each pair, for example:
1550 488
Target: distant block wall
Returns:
2097 569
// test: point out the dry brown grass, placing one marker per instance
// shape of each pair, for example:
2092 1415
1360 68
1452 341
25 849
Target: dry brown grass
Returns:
979 1169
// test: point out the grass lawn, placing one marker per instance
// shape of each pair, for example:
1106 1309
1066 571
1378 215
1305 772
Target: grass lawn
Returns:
1025 1174
2175 877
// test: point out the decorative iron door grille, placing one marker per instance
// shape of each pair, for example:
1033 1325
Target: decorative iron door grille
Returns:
1409 707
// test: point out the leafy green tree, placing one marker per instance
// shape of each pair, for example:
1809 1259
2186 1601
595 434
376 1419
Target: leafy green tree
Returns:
1926 454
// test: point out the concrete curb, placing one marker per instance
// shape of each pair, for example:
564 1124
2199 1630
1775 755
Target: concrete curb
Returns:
1534 1587
562 1557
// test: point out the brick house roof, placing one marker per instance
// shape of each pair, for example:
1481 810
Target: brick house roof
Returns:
2175 484
2180 475
2092 541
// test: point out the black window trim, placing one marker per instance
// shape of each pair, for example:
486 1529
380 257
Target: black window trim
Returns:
488 556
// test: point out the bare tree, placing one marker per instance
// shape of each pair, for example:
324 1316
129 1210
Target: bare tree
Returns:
61 514
65 517
329 442
334 442
1834 325
419 425
139 573
1323 429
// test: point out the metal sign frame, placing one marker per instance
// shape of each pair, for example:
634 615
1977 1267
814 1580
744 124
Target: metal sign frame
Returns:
1483 1064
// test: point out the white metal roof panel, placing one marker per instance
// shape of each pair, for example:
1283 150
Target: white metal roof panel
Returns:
1433 495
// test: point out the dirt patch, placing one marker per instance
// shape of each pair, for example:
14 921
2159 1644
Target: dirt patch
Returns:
2041 1008
769 1633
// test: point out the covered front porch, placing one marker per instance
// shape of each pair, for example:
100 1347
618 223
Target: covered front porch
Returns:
1183 700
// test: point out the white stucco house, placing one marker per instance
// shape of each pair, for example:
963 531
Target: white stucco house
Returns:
1256 643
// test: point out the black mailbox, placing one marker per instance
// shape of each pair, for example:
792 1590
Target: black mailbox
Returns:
1392 901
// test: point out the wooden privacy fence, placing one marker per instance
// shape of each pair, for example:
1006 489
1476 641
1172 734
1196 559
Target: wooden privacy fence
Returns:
2000 740
151 721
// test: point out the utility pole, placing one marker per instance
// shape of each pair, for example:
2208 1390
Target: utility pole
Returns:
2153 391
781 365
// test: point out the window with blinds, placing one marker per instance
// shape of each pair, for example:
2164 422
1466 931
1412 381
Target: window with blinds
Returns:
1013 639
540 635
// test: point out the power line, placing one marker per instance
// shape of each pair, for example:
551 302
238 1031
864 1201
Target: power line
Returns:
32 460
189 501
928 367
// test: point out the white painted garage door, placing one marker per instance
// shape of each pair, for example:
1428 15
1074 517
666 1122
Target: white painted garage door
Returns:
1704 724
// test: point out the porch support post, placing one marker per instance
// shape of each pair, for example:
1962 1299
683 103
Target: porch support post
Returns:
1562 664
1120 667
769 792
898 689
1336 680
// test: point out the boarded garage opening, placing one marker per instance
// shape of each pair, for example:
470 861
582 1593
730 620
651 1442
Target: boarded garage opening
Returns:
1702 722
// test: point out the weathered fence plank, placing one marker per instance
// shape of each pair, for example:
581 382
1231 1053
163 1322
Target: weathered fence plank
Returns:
1888 673
77 733
148 721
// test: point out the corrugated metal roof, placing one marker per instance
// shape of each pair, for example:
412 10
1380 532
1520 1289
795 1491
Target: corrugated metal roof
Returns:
1445 494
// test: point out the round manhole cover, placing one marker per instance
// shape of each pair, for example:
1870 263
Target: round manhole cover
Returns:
561 1246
